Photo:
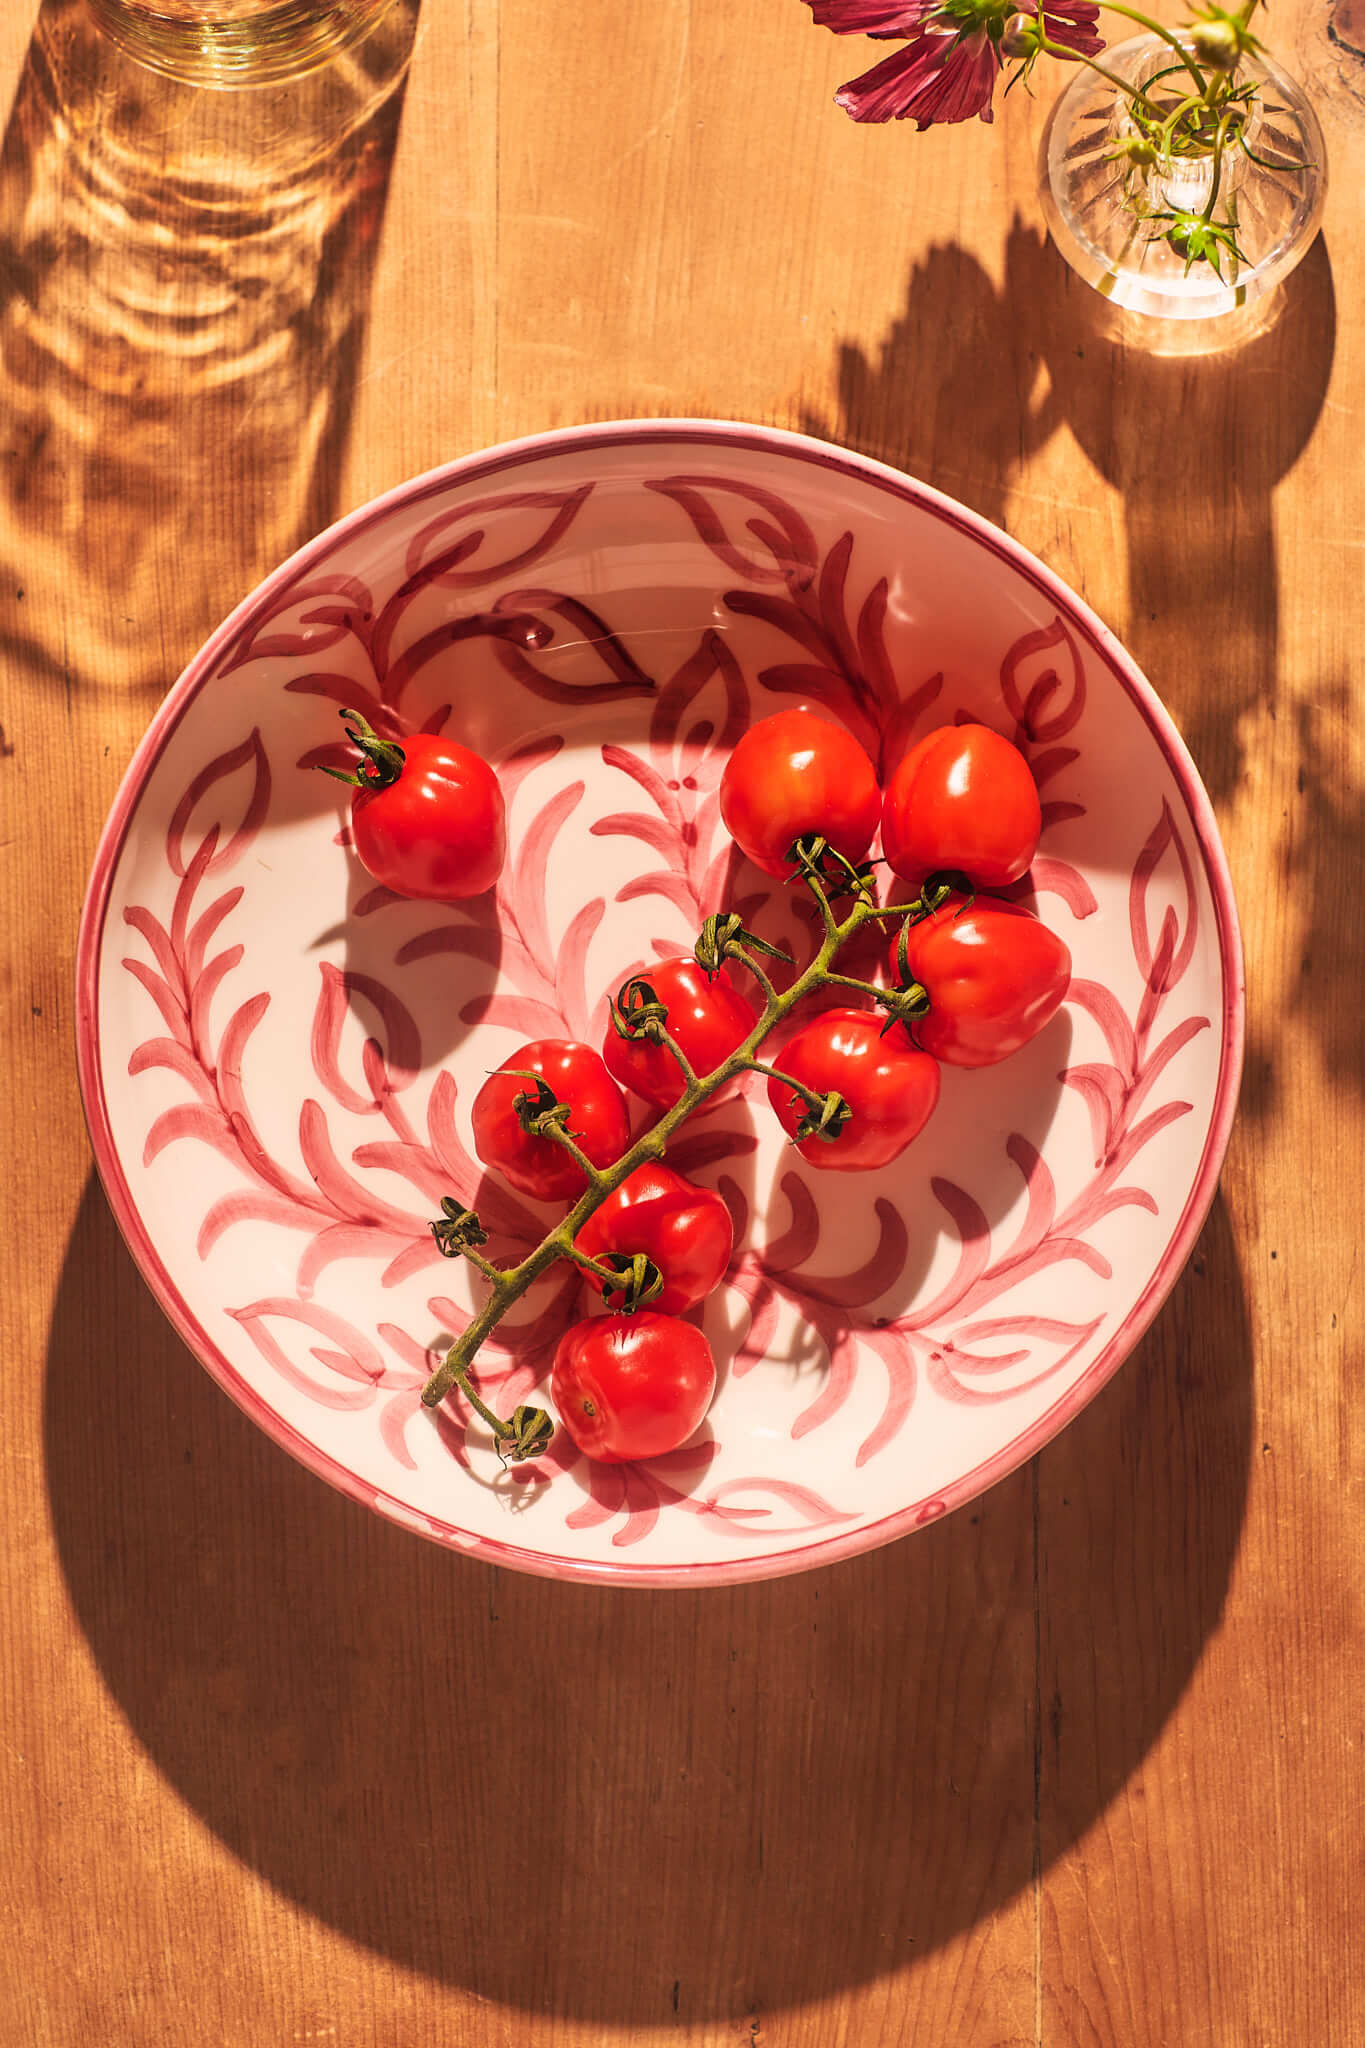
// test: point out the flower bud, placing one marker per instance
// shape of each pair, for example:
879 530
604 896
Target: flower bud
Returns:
1021 36
1136 149
1216 45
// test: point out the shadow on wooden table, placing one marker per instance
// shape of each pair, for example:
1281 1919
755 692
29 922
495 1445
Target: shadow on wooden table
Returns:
632 1807
1326 867
184 278
972 381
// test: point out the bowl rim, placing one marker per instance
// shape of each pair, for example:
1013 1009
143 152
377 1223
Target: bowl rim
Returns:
500 458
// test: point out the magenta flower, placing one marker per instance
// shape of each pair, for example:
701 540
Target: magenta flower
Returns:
951 59
1072 23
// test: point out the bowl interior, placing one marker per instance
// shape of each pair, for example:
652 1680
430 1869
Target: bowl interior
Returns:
278 1058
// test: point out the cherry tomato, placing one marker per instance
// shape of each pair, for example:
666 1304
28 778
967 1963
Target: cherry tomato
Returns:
793 774
706 1015
427 816
994 976
964 798
890 1087
597 1118
632 1386
684 1229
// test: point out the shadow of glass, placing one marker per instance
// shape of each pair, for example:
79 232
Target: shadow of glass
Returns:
183 284
1327 870
1194 445
825 1775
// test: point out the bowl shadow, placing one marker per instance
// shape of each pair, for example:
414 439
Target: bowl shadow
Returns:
768 1792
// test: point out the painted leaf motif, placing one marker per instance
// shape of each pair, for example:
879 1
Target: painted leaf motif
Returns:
603 668
703 758
343 993
785 551
169 1052
352 1366
1042 680
897 1355
811 1509
899 733
304 622
1163 961
509 627
443 549
964 1376
227 802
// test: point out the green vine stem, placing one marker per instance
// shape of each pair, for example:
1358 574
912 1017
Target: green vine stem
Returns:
722 938
1167 35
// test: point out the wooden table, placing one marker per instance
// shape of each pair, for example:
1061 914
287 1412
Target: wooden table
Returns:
1086 1762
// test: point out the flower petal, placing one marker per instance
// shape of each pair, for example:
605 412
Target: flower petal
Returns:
1073 23
938 76
884 92
870 17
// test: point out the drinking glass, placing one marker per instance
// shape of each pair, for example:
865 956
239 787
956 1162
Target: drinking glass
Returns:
233 43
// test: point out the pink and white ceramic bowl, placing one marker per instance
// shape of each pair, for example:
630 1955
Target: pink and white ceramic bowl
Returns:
278 1059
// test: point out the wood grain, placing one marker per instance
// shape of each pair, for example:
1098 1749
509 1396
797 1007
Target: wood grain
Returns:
1084 1763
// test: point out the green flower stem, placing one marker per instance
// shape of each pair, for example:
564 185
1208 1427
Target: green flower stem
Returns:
1167 130
610 1276
864 988
1136 94
508 1286
381 761
893 999
638 1284
1218 142
827 917
917 909
1167 36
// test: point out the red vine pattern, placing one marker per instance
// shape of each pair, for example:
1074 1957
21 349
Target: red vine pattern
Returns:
464 579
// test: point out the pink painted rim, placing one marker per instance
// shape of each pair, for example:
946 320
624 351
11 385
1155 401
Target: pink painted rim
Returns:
714 434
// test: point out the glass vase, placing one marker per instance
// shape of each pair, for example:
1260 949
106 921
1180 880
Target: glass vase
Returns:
1112 218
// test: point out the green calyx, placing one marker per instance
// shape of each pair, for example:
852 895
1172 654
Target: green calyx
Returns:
636 1012
639 1281
381 761
539 1112
825 1118
723 937
457 1229
815 861
1200 240
1220 38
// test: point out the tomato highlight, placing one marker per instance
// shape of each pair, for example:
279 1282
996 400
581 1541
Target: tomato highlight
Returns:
686 1231
995 977
890 1088
792 776
597 1118
632 1386
963 799
427 814
707 1019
